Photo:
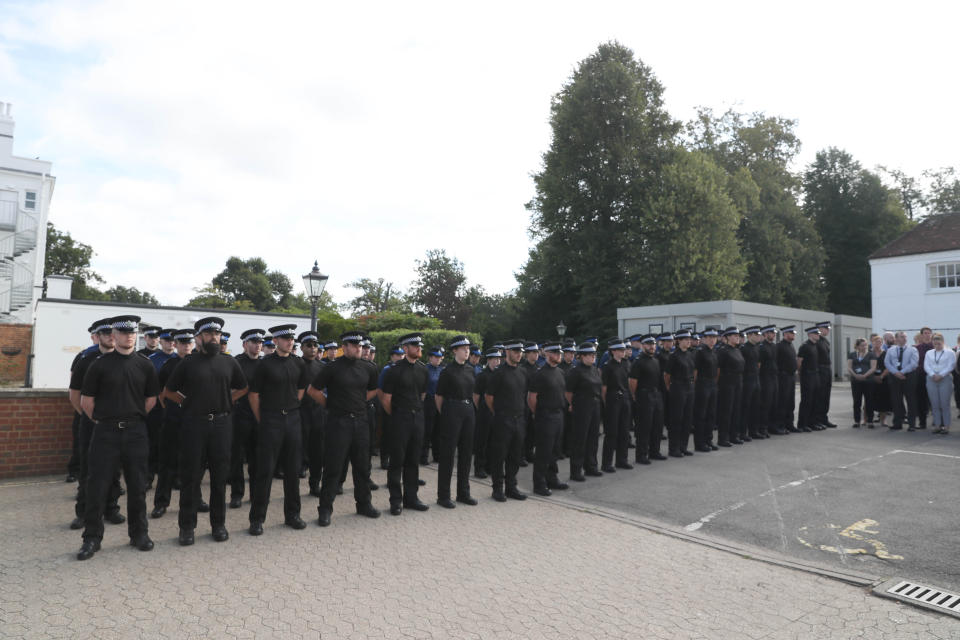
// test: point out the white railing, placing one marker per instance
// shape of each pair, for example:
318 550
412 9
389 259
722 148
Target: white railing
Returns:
8 215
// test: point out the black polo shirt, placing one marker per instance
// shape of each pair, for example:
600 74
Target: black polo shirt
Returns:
120 385
663 357
347 381
207 382
549 384
456 382
168 368
584 383
810 354
508 386
277 380
80 369
313 370
786 357
482 382
751 359
614 377
248 366
768 358
730 364
823 352
681 367
705 362
646 371
406 382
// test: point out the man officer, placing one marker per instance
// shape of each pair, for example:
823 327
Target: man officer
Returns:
151 339
809 368
616 409
506 396
244 442
456 424
729 388
822 402
750 421
484 415
705 392
311 413
767 400
168 468
645 381
786 381
679 377
583 392
546 400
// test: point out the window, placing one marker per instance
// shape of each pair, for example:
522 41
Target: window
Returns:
945 275
30 200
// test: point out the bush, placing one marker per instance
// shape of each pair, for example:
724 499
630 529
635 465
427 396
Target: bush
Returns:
384 341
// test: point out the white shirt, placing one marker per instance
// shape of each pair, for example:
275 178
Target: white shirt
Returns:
939 362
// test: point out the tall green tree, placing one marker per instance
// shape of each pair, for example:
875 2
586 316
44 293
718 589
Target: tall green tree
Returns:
250 280
66 256
130 295
439 287
855 214
376 296
944 193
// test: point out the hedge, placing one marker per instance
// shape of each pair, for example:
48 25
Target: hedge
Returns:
385 340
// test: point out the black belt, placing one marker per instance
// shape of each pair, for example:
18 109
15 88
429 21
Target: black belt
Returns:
458 400
352 416
281 412
210 417
119 423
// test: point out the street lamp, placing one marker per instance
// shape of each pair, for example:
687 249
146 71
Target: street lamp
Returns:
314 282
561 329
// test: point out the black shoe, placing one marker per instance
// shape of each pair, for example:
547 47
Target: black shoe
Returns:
480 473
895 428
158 512
713 447
367 510
373 485
395 509
324 519
778 432
804 430
421 482
384 464
793 430
856 425
123 490
78 523
88 548
676 454
424 461
608 468
142 542
296 522
624 465
687 452
515 494
278 474
186 537
657 456
643 460
315 490
256 528
911 428
736 441
115 518
705 448
922 425
446 503
70 478
559 486
523 462
593 473
220 534
303 473
830 425
498 495
236 502
416 504
467 500
578 477
203 507
724 443
747 439
542 491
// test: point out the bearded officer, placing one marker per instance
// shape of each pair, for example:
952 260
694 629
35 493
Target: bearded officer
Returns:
168 470
244 442
546 400
311 418
456 424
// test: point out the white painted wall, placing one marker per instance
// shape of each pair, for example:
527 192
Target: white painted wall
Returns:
903 300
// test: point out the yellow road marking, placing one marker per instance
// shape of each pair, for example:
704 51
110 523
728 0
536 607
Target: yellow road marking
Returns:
854 532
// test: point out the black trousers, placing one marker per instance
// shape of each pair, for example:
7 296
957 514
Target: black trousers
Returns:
649 422
809 389
278 441
243 447
205 440
73 465
705 411
585 435
903 391
429 421
822 403
616 428
84 435
681 415
308 412
315 445
481 438
786 399
373 409
767 402
505 448
750 421
528 439
154 429
406 448
728 410
564 442
454 436
168 469
923 401
112 446
346 439
385 442
863 392
548 427
665 397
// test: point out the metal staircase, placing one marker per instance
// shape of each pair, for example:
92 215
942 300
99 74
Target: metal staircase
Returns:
18 244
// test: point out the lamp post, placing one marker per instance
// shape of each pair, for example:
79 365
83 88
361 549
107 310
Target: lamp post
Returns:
561 329
314 282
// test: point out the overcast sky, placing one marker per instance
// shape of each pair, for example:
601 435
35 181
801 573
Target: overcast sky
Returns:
363 134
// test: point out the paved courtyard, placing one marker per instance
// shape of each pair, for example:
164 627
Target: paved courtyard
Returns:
517 570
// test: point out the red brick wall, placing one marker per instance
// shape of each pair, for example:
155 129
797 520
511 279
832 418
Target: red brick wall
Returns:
14 337
35 436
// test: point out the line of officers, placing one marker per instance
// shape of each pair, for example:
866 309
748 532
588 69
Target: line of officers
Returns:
199 409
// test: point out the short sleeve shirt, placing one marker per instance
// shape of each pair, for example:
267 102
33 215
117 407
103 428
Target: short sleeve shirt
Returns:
347 382
277 380
508 386
120 385
861 365
548 384
406 382
456 382
207 382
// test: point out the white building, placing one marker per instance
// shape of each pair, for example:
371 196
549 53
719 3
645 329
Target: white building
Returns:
26 187
915 280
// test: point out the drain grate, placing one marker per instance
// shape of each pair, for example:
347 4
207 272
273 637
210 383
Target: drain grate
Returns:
930 596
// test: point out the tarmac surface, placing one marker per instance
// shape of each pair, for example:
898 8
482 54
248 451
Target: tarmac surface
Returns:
543 568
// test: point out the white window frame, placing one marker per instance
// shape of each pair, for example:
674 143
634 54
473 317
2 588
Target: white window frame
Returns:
943 276
30 203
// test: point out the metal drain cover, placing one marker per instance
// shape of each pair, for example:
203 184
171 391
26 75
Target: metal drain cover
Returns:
921 595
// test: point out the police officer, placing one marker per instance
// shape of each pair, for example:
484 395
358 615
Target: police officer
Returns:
151 340
569 352
583 392
206 383
679 380
349 382
750 400
484 415
168 347
822 404
705 392
225 342
119 389
506 396
396 354
275 393
546 400
434 367
73 465
729 388
809 366
767 398
616 409
456 423
528 365
786 381
404 390
244 442
268 348
664 350
311 416
644 382
474 360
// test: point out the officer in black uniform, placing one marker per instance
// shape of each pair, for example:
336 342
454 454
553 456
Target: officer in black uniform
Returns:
528 365
664 351
809 366
767 400
506 397
786 380
456 424
396 354
119 389
584 389
151 340
750 400
275 393
404 390
679 382
546 400
169 467
311 413
616 409
73 465
244 441
822 404
343 387
206 383
484 415
729 388
705 392
569 351
645 378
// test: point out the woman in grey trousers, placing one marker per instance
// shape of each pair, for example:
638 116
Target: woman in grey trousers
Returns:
939 364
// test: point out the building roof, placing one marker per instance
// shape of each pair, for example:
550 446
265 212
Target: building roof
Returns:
935 233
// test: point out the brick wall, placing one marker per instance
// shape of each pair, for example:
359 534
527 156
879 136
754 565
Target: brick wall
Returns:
14 352
35 437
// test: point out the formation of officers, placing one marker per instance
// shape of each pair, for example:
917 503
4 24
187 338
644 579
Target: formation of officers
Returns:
182 407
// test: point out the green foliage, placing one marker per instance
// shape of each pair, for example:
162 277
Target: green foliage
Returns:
390 320
250 280
330 325
376 296
439 288
130 295
385 340
68 257
944 192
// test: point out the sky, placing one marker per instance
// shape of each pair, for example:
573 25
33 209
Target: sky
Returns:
362 135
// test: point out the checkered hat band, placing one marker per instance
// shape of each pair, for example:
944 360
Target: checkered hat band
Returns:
588 350
210 325
103 327
513 345
460 343
649 340
330 345
283 333
555 347
414 340
183 336
254 336
353 338
618 345
125 325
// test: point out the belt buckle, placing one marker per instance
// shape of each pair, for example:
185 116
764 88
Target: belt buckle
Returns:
210 417
121 424
283 412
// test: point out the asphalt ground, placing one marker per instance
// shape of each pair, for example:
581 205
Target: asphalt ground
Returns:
877 502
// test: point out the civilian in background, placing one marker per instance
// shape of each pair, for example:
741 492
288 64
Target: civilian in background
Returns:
938 366
881 387
902 361
860 366
924 343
